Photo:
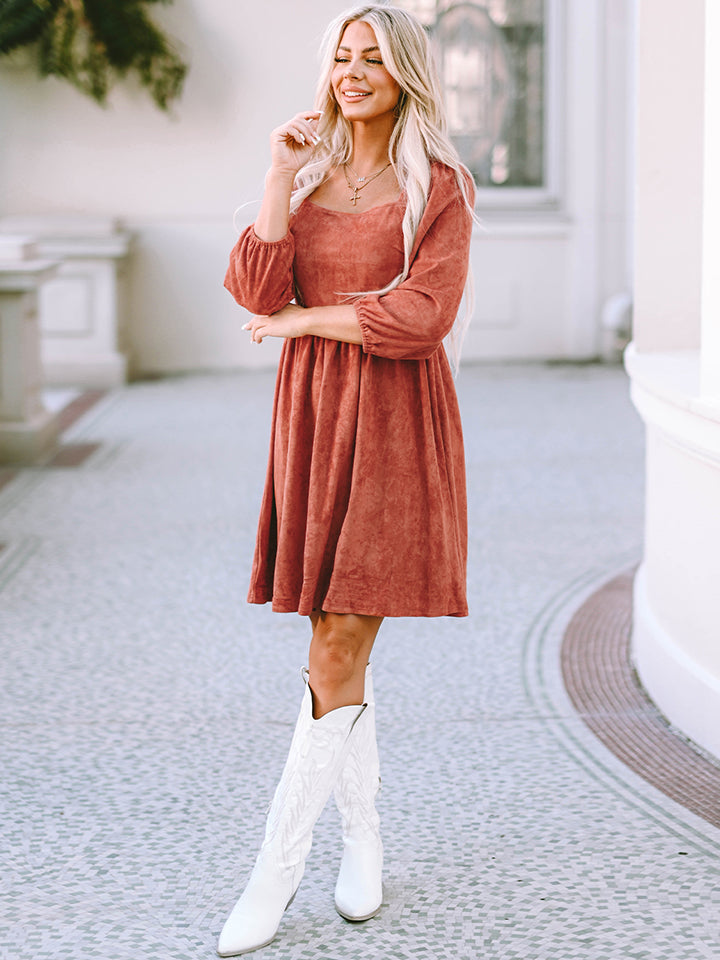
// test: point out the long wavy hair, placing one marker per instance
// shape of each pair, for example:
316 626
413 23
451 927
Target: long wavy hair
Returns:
418 138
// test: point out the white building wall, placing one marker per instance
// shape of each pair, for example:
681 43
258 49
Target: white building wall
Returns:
541 277
674 360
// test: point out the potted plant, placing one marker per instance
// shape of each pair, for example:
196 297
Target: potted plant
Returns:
94 43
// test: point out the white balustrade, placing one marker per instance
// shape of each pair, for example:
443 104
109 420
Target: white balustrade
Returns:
28 432
80 308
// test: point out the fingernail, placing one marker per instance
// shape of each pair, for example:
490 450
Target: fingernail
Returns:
317 140
302 139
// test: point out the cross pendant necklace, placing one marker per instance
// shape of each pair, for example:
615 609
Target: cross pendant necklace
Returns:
362 182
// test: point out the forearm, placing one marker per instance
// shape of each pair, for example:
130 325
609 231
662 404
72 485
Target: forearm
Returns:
274 216
334 323
291 146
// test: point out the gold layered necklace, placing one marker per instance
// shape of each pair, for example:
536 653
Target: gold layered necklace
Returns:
361 183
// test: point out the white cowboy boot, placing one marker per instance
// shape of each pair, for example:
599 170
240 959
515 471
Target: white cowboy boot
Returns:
358 891
317 752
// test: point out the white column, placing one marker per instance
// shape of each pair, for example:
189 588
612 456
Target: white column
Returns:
710 331
674 362
668 184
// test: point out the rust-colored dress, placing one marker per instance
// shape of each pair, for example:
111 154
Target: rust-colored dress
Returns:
364 509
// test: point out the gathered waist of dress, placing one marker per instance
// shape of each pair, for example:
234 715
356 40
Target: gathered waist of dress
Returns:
339 299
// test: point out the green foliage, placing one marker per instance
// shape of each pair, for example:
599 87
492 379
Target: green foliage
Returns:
22 22
93 43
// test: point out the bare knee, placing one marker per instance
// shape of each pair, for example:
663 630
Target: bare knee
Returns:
339 652
335 650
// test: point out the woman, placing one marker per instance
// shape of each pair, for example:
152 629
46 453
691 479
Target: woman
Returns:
365 223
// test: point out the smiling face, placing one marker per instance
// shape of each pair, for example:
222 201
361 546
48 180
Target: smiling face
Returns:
362 86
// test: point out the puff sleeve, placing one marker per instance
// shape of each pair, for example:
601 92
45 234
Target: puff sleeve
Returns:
260 274
411 321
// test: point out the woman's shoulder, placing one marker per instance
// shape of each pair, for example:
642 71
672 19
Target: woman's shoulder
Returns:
446 197
444 186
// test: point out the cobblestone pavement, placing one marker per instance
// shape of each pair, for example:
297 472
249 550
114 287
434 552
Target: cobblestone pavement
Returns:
146 709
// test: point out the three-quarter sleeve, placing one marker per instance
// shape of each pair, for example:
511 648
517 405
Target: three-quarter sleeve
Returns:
260 274
411 321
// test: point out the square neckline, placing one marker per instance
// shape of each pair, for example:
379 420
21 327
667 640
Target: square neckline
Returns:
357 213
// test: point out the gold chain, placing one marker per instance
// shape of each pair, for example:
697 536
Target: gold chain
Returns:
363 181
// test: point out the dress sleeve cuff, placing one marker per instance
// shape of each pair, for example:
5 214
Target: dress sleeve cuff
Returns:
369 340
283 241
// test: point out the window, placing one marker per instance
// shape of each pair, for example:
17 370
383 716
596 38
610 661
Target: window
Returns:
492 56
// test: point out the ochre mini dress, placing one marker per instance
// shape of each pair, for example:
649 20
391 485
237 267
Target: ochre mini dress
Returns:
364 509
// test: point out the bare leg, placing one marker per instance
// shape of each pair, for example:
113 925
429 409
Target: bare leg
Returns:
339 652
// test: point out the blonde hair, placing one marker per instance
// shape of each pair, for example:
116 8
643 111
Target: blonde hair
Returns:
419 135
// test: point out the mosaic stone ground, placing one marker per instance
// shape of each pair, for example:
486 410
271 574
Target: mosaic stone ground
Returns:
600 677
145 709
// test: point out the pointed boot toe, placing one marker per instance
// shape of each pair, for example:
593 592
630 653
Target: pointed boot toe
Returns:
358 891
255 918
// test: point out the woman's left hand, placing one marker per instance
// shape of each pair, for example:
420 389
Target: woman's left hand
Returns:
285 323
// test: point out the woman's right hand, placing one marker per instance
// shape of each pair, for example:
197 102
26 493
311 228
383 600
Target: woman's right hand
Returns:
292 143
